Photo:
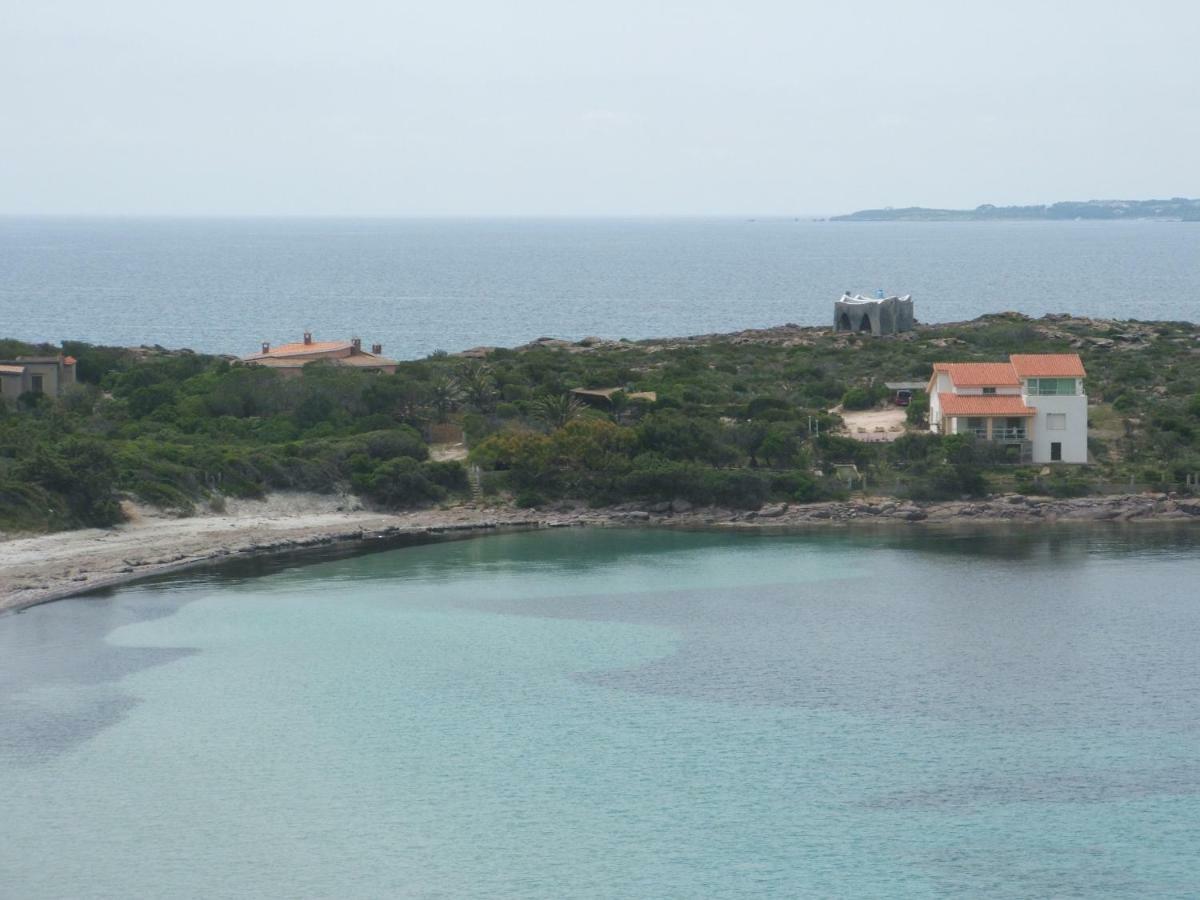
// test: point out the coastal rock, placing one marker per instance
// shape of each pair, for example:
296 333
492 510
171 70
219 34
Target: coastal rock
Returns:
680 506
772 512
637 515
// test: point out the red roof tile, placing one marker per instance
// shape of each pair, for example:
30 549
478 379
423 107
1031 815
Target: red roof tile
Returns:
314 347
979 374
1048 365
984 405
301 349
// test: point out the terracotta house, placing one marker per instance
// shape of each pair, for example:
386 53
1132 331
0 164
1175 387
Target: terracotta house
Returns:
291 358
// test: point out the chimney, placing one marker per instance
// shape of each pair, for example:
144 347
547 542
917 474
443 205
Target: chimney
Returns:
356 343
266 347
377 349
308 337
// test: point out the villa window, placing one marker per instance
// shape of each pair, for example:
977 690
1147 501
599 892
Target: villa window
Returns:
1051 387
1056 421
36 385
989 390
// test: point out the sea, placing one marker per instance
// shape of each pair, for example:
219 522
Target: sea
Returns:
620 714
604 713
418 286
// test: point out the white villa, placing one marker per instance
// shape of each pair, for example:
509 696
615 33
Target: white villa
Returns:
1034 402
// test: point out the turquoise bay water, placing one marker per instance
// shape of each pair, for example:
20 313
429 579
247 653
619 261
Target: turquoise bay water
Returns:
619 714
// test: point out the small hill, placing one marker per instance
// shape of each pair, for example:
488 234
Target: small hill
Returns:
1177 209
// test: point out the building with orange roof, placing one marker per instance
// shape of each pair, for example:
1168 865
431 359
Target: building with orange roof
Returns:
290 359
50 375
1034 403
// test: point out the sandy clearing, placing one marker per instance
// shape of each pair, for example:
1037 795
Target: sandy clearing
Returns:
865 425
448 452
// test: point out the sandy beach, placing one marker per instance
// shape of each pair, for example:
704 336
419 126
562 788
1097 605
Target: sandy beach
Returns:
38 569
41 568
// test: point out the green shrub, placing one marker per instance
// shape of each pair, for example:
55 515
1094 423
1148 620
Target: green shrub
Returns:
396 483
857 398
917 411
449 474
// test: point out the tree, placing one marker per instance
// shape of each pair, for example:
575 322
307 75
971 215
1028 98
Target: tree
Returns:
678 436
80 471
779 446
917 411
445 393
398 482
556 410
748 437
479 386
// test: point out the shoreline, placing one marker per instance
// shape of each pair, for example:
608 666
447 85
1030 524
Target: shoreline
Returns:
43 568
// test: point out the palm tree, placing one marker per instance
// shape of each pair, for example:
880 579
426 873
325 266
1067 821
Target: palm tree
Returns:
618 404
445 393
556 410
479 386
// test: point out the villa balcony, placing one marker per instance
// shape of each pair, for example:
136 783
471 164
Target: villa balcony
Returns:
1008 435
997 434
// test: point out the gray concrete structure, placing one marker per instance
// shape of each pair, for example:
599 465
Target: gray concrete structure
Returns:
877 316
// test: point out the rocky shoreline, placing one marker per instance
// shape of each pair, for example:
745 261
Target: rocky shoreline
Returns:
40 569
1007 508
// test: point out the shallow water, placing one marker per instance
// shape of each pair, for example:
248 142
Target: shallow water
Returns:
420 285
620 714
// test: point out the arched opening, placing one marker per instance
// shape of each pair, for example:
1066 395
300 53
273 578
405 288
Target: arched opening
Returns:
865 324
844 323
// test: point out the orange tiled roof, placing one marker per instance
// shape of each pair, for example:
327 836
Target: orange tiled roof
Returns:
984 405
980 374
300 348
366 359
69 360
11 370
1048 365
299 361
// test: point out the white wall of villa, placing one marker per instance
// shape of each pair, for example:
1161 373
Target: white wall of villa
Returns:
1060 420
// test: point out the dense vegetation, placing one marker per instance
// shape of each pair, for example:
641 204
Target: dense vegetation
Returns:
738 421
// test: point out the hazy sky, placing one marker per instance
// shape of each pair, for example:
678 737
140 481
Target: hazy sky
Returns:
447 107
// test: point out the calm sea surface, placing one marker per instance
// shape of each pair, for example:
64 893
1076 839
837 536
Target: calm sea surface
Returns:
418 286
620 714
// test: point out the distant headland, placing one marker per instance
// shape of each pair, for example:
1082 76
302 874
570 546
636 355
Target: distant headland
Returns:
1177 209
